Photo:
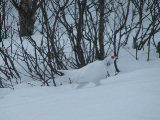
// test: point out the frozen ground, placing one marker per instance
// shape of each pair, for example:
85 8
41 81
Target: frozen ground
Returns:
134 94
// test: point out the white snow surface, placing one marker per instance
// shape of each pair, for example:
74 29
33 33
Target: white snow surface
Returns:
128 96
133 94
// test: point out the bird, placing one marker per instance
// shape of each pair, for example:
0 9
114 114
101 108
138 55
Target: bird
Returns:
94 72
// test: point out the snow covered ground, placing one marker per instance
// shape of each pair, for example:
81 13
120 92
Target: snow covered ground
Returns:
131 96
134 94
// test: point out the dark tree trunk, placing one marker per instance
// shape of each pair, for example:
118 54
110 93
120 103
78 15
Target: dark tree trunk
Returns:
116 67
26 23
101 30
0 29
3 31
158 49
27 18
81 6
27 10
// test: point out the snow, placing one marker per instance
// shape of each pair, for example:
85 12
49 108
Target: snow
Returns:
133 94
128 96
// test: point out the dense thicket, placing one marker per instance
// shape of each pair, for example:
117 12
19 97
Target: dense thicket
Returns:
55 35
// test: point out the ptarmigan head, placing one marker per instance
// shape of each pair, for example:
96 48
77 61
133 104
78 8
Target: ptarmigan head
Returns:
111 60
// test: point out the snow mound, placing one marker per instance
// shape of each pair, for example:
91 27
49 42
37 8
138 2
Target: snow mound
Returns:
130 96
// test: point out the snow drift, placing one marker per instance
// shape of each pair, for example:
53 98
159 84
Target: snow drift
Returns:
129 96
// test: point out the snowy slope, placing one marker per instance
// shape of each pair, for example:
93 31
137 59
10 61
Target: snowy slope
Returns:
133 94
129 96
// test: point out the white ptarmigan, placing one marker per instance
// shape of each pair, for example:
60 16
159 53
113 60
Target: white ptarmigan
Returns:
94 72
